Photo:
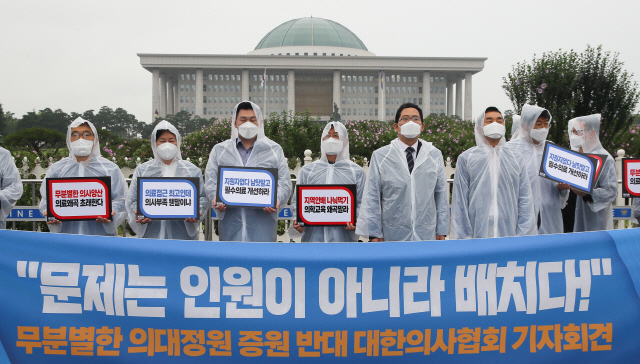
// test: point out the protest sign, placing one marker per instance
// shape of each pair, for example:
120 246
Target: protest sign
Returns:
600 158
248 186
168 198
326 205
79 198
567 166
630 177
563 298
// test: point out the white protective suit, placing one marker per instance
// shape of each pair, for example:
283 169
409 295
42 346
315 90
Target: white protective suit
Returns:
94 166
515 126
245 224
10 185
636 208
597 215
491 192
166 229
548 200
402 206
321 172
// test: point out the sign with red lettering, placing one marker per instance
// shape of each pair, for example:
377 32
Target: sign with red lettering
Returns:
630 177
79 198
326 205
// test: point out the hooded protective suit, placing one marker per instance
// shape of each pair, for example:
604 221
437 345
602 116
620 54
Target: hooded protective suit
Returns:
596 215
245 224
342 172
10 186
491 192
515 127
165 229
402 206
94 166
636 208
548 200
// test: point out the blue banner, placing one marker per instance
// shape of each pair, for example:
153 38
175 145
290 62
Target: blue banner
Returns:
552 299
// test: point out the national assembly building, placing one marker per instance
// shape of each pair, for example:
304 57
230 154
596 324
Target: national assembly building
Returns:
315 65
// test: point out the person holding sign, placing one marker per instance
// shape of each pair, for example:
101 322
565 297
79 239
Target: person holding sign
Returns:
406 195
248 147
10 185
333 168
167 162
549 197
491 189
594 211
84 160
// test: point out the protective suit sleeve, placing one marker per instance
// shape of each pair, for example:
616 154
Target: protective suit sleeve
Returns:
51 173
461 227
211 180
203 202
361 179
441 195
606 189
370 214
636 208
284 179
527 221
131 203
118 196
11 185
301 180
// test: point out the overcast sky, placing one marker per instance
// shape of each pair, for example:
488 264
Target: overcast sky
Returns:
78 55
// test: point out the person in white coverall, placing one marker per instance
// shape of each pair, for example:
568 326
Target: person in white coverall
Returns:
248 147
333 168
167 162
84 160
549 197
594 210
10 185
491 189
406 196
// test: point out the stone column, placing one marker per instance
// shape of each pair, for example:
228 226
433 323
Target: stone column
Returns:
291 92
449 97
155 93
176 97
426 93
467 96
171 102
459 98
245 85
336 91
199 93
163 94
382 97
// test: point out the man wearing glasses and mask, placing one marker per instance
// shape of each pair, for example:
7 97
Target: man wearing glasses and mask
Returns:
406 197
84 160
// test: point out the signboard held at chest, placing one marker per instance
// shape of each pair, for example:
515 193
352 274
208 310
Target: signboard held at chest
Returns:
79 198
168 198
326 205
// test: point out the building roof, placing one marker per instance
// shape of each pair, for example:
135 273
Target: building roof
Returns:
311 32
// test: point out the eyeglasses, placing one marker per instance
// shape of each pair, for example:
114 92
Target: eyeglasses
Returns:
414 119
85 135
578 131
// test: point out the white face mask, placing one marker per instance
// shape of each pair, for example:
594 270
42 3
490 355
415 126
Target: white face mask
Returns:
410 129
540 134
167 151
494 130
248 130
576 141
81 147
332 146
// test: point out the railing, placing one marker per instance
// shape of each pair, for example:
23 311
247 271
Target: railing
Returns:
622 209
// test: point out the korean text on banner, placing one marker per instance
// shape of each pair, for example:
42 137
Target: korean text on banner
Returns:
327 205
168 198
567 166
248 186
80 198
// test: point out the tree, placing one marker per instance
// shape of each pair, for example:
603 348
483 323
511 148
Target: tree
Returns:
37 139
3 125
46 118
571 84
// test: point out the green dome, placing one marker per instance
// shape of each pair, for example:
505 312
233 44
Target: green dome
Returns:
311 32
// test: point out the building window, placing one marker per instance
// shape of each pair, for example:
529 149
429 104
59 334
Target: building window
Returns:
376 101
215 100
210 88
420 101
419 90
188 77
193 99
431 90
282 100
344 101
344 78
181 87
404 90
182 76
386 101
210 99
181 99
226 88
376 112
193 110
344 88
237 88
204 99
204 88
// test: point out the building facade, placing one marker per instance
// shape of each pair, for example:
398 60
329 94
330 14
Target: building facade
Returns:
310 64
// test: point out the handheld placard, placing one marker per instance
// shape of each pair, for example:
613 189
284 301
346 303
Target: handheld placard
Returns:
168 198
247 187
567 166
630 177
326 205
78 198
